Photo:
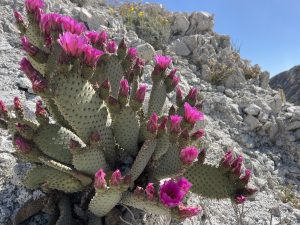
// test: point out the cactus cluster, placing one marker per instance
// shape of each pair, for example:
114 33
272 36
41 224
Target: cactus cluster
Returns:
94 146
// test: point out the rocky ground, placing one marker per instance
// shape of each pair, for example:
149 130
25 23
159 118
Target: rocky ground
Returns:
247 116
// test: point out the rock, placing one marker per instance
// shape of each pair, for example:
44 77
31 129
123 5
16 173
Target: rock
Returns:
191 41
200 22
252 110
252 122
264 79
293 126
229 93
263 117
180 48
276 103
180 24
221 89
93 19
235 80
146 51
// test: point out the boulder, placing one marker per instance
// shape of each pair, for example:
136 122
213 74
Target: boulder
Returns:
146 51
252 122
180 24
252 110
180 48
200 22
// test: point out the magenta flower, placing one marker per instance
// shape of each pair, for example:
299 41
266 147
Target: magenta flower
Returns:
28 47
39 109
162 62
239 199
111 47
172 192
103 38
198 134
22 145
245 179
184 184
91 55
116 178
152 125
187 212
51 22
18 16
150 191
3 107
71 25
92 36
179 93
99 181
175 123
17 103
191 114
140 93
132 53
227 159
33 5
124 88
188 155
72 44
192 95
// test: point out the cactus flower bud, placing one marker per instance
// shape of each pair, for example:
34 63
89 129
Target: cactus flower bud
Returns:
139 191
28 69
100 182
19 18
40 111
191 114
175 81
239 199
192 95
111 47
39 85
132 53
179 94
198 134
227 159
28 47
150 191
103 38
72 44
116 178
138 66
187 212
245 179
172 73
237 170
188 155
105 89
22 145
163 123
3 108
140 93
124 88
32 6
237 161
152 125
91 55
175 123
17 103
74 145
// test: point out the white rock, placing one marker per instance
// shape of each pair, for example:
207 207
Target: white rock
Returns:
252 122
229 93
180 48
146 51
200 22
180 24
252 110
294 125
191 41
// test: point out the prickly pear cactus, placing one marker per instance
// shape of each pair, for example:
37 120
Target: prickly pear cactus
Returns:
103 150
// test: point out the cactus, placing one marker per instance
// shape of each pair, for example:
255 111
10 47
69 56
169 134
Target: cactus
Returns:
91 88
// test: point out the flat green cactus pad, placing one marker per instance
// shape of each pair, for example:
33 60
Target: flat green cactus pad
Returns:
33 33
52 179
126 130
162 147
53 140
104 201
89 161
38 65
210 181
157 98
142 203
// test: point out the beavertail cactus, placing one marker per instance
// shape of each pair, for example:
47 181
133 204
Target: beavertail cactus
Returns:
90 86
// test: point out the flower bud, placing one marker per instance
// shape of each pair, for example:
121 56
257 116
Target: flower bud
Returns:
23 145
152 125
188 155
150 191
100 182
116 178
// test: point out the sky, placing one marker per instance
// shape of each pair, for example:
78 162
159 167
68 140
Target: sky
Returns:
267 31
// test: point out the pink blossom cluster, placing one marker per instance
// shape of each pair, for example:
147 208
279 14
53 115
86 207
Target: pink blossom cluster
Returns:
116 179
192 114
33 6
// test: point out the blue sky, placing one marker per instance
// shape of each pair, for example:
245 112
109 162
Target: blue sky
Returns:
267 31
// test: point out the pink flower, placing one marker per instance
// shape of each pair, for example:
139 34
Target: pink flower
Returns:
18 16
198 134
72 44
187 212
103 38
39 110
179 93
33 5
163 123
71 25
111 47
227 159
172 193
99 181
245 179
152 125
3 107
175 123
22 145
162 62
50 22
17 103
27 68
239 199
191 114
184 184
28 47
91 55
188 155
92 36
116 178
140 93
132 53
139 191
124 88
150 191
192 95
